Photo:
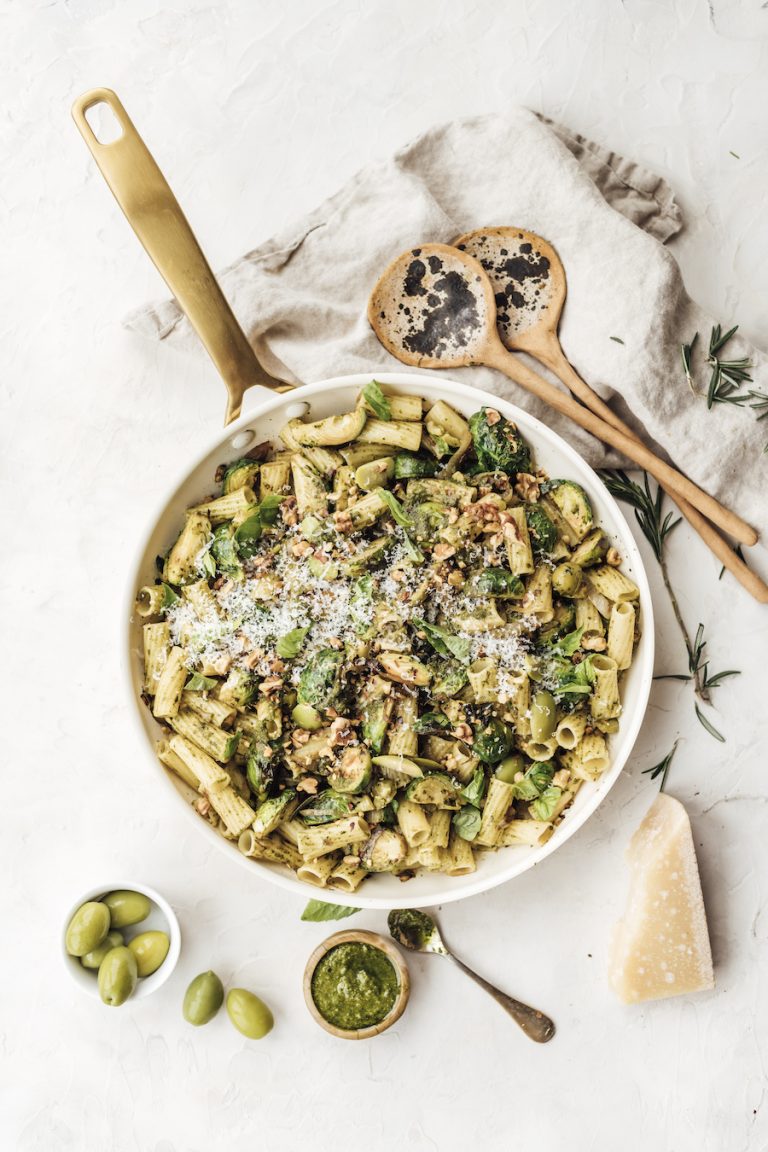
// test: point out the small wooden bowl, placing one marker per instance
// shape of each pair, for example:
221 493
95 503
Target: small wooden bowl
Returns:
390 951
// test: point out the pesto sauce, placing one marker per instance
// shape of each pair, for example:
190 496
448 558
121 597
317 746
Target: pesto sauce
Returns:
355 986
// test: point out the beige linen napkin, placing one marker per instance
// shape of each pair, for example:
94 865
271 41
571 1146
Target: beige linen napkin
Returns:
301 296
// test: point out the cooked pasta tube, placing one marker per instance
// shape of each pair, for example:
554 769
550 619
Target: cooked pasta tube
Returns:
274 478
209 708
271 849
621 634
403 741
150 600
157 643
605 702
397 433
170 685
483 680
231 809
347 876
413 823
588 618
497 801
430 856
530 832
458 857
440 827
570 730
228 506
517 541
317 871
215 741
211 776
324 838
613 584
170 759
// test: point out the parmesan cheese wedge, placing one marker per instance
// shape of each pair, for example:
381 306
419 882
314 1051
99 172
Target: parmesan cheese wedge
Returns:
661 947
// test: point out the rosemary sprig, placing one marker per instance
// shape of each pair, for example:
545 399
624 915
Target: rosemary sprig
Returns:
648 509
739 552
656 527
662 768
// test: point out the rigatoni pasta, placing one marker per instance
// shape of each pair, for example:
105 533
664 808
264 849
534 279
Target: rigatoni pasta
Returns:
389 644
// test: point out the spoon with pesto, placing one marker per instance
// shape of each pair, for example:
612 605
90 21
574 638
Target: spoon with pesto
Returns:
418 932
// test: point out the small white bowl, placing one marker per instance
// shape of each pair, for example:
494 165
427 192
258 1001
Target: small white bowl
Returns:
162 918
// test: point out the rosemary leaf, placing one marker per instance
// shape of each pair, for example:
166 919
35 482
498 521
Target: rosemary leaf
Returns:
662 767
737 549
708 726
617 339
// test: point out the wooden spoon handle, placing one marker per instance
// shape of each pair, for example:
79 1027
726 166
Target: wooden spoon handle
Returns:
496 356
555 359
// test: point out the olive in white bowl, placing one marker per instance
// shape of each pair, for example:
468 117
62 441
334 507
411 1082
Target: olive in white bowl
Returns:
136 918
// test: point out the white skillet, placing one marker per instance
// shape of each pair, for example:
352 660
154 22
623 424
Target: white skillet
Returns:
156 217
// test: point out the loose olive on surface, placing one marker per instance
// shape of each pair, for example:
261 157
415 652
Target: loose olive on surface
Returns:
543 716
203 998
87 928
126 907
93 959
566 579
118 975
150 949
249 1015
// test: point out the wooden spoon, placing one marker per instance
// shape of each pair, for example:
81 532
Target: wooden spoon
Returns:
434 307
529 284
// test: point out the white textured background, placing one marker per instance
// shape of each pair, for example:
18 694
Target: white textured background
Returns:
256 111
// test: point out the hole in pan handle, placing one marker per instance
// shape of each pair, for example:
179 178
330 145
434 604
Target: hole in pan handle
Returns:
153 212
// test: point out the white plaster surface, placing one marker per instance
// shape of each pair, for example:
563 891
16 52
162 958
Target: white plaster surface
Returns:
256 111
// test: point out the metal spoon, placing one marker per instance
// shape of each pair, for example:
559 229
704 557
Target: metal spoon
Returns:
529 284
434 307
417 931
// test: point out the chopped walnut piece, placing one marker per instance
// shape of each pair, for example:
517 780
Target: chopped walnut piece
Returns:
456 579
593 642
301 547
443 551
527 487
397 575
350 860
307 784
334 642
267 752
453 515
492 416
290 512
342 521
613 557
299 736
463 732
253 658
202 806
270 684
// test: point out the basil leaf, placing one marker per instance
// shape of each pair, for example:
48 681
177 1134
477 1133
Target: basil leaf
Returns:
169 596
576 679
535 782
569 644
443 641
544 807
269 508
318 910
289 646
375 399
394 506
411 551
209 564
198 683
248 534
467 821
475 790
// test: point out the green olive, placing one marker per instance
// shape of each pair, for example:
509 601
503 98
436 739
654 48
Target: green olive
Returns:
126 907
150 950
509 768
566 579
307 717
543 716
203 998
87 928
117 976
249 1014
93 959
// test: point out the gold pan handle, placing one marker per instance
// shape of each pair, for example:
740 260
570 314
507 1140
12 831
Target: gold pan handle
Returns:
153 212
